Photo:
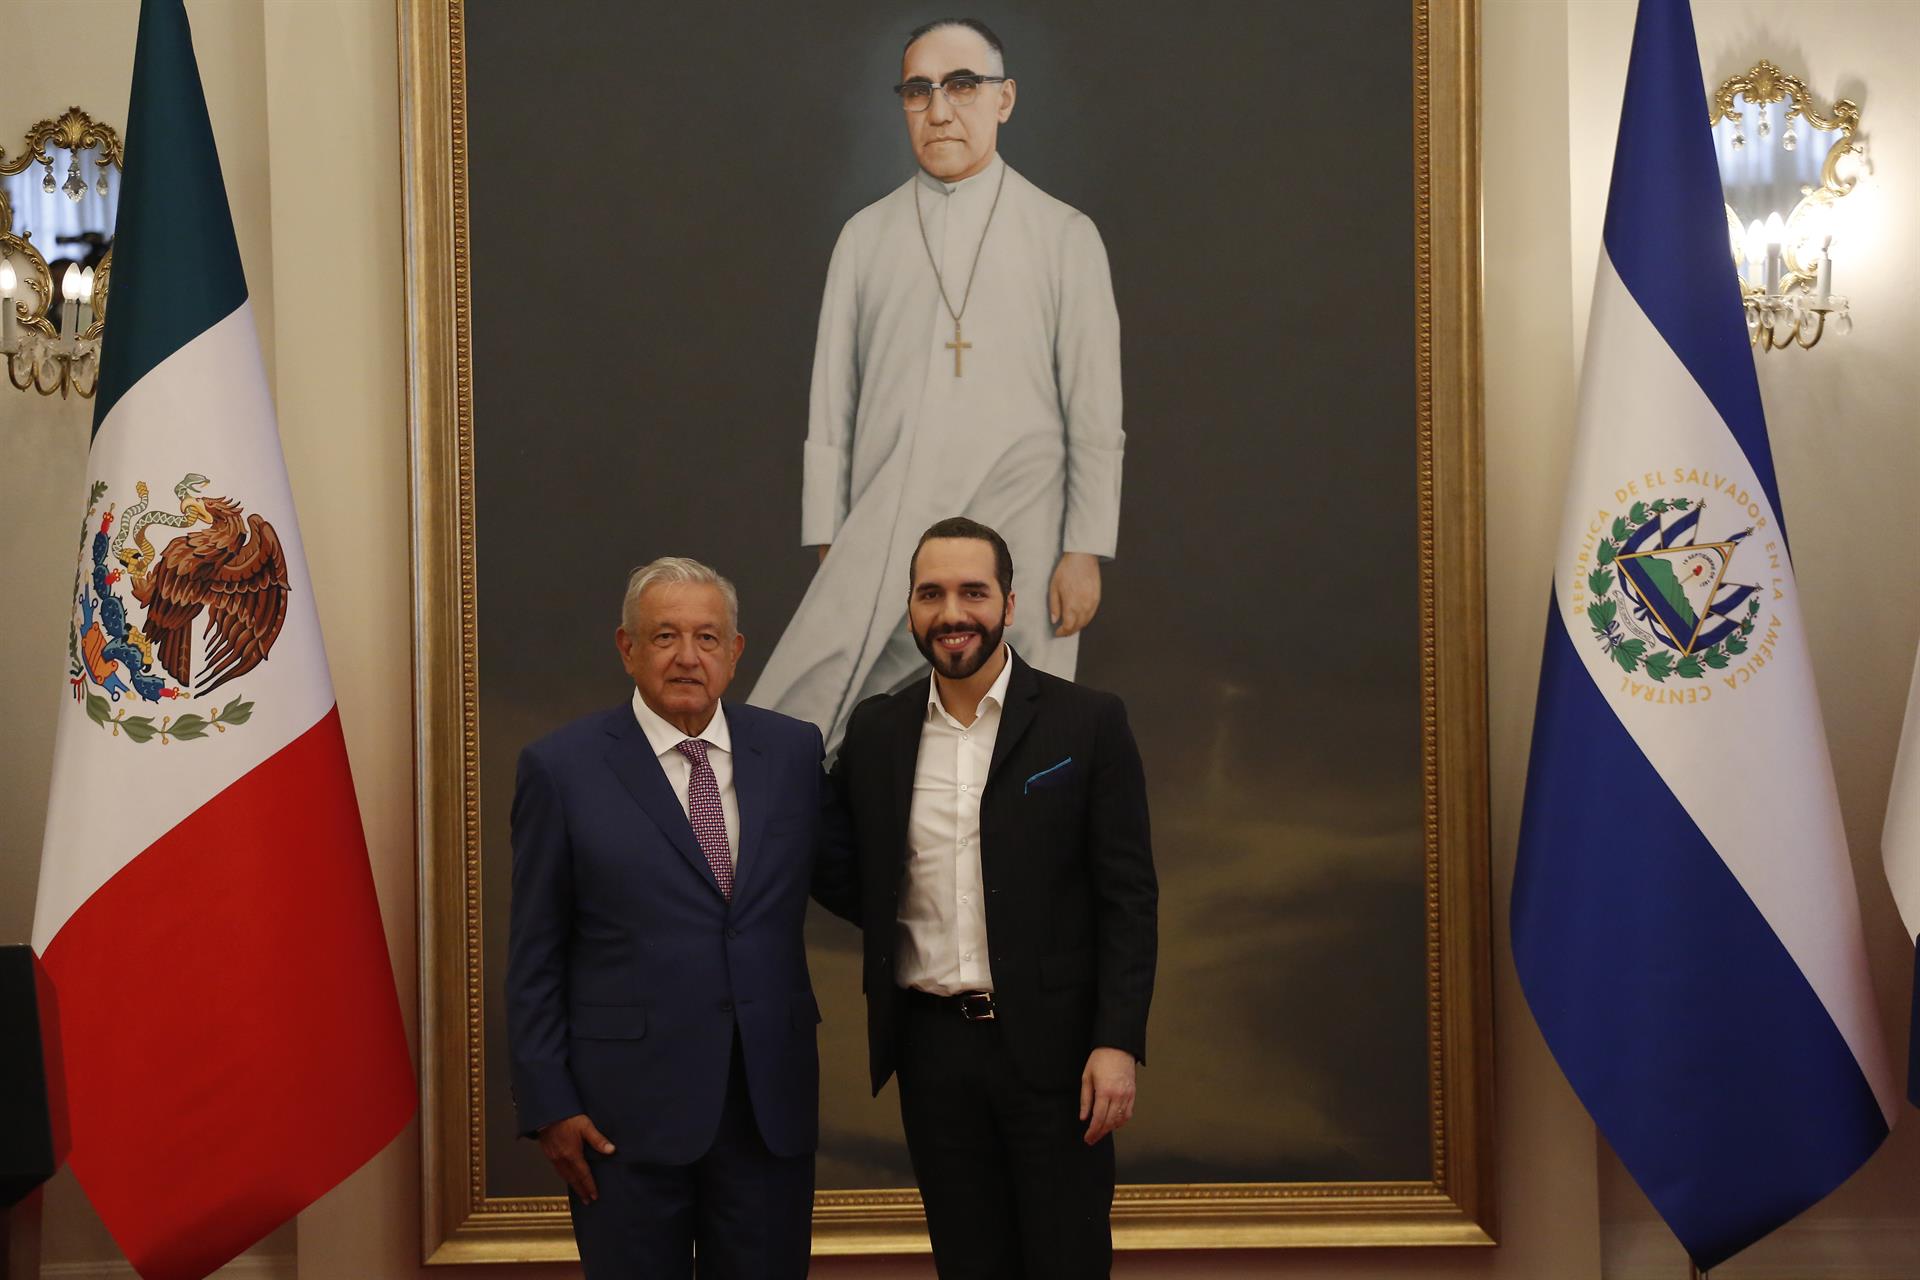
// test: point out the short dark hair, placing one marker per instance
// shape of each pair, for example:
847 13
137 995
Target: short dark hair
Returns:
961 527
974 25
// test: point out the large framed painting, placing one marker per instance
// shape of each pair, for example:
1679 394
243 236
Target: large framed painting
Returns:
621 220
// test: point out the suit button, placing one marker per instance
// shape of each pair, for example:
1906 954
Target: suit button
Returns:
726 1006
733 933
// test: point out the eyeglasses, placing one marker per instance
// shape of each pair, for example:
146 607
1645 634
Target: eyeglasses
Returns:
915 95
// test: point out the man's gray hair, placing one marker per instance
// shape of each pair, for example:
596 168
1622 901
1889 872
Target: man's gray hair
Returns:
995 52
677 571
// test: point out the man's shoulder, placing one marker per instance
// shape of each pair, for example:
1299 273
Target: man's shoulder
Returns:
583 734
1082 699
881 708
873 217
769 728
1040 205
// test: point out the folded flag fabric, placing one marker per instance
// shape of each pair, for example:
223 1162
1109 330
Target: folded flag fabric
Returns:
1900 851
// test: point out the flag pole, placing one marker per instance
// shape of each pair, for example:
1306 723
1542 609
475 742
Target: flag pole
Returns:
1694 1272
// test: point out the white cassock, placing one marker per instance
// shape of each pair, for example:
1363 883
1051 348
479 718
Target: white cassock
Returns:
1025 439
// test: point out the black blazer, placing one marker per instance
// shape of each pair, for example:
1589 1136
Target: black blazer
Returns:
1064 855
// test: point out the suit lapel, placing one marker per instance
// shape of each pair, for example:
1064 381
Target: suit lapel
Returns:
909 718
631 758
750 789
1023 696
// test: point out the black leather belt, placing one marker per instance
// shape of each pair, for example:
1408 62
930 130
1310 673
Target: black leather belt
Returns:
974 1006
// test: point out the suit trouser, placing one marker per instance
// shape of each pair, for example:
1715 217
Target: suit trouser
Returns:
1012 1190
739 1212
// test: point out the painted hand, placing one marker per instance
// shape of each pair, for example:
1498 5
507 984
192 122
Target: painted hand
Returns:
1074 595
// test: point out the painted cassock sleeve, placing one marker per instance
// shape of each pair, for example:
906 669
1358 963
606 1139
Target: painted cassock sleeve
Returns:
1126 892
1087 362
540 925
828 463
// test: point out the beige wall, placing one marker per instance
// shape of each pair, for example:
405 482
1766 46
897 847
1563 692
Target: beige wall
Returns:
305 106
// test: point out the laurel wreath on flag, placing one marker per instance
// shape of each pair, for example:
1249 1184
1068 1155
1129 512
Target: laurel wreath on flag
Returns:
80 571
186 728
1630 652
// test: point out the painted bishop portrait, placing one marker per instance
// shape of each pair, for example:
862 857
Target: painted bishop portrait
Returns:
967 363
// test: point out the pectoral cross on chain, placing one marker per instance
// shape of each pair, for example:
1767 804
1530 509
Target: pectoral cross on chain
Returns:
958 347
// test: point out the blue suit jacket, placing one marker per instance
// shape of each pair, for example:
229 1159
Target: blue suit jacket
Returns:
626 969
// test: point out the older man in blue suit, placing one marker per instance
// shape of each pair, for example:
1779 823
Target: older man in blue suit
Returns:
661 1016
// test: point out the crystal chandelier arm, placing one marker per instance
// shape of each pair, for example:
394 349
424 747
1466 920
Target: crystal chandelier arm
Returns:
86 389
1819 328
19 383
58 363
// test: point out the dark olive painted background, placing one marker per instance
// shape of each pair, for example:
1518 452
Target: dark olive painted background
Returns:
655 190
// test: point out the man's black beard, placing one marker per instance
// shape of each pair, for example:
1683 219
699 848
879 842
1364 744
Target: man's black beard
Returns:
960 666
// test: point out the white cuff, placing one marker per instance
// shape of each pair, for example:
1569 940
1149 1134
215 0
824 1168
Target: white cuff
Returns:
1093 500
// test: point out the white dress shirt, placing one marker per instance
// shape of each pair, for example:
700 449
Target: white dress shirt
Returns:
942 924
665 741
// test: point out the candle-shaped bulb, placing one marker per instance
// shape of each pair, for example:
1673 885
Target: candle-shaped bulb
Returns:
1756 248
1775 231
86 285
70 282
8 280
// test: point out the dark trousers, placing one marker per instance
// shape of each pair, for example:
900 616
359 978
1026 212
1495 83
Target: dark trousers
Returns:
1012 1190
737 1213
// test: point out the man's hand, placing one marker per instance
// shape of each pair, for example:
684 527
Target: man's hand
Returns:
1106 1092
824 548
1074 596
563 1140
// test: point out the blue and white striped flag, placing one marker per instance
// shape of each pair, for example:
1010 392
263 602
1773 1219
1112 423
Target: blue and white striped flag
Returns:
1685 923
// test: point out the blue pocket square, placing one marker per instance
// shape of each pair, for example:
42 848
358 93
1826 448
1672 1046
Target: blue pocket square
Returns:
1049 776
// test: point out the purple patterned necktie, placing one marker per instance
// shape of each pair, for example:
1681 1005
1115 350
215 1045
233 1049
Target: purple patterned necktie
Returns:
704 811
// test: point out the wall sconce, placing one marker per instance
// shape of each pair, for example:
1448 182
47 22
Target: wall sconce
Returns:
1785 259
51 342
62 364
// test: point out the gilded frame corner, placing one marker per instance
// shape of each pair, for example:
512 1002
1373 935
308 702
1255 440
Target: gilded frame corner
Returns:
1455 1206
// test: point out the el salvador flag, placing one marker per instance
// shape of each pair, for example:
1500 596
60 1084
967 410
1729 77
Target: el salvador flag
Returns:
1685 924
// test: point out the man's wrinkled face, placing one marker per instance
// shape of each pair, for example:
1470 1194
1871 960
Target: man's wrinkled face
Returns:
681 651
954 142
956 610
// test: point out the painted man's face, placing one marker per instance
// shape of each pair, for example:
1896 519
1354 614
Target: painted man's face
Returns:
954 142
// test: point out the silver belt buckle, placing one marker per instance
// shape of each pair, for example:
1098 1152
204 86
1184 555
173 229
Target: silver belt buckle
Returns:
977 1006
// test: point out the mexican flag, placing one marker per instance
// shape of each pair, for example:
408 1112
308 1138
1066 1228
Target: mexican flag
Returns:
206 912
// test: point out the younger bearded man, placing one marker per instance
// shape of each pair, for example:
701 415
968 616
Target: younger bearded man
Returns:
1006 891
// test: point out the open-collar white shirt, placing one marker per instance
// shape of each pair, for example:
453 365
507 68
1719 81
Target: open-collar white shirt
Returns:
942 921
665 740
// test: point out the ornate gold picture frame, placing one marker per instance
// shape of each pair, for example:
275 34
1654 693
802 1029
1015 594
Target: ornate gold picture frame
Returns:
462 1222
